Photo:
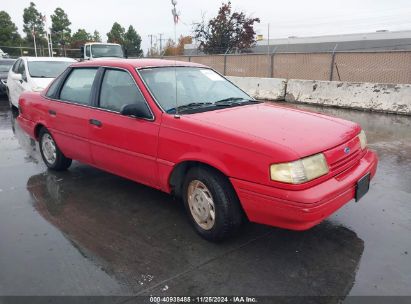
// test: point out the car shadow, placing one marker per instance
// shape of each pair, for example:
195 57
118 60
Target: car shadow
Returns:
142 237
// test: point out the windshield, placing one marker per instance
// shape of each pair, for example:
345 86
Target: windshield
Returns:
5 65
194 86
47 69
103 50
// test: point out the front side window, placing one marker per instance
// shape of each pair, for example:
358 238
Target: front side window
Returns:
182 86
47 69
77 87
87 51
118 89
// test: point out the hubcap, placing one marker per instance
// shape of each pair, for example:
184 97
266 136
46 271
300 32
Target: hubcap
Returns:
49 148
201 204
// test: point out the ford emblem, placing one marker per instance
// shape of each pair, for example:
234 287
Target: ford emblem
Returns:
347 150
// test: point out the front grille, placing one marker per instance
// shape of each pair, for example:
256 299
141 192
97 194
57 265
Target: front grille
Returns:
350 159
338 160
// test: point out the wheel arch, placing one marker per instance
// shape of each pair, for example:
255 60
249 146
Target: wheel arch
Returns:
176 178
37 129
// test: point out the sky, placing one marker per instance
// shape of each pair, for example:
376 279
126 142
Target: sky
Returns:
285 18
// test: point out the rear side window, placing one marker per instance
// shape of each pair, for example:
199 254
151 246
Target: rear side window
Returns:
52 91
118 89
77 87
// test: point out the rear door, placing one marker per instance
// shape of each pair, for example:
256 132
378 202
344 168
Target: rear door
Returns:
124 145
70 111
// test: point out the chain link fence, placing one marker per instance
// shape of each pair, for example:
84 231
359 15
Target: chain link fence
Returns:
381 67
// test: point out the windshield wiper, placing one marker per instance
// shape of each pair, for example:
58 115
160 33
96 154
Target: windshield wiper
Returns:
234 101
189 106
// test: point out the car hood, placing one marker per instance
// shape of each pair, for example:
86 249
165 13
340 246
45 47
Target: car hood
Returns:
305 133
41 82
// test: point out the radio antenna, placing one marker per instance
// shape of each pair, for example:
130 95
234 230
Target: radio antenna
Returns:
175 17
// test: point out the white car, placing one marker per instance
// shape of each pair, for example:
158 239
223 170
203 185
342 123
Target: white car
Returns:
33 74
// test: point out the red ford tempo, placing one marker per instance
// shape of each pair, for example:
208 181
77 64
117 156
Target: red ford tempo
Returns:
184 129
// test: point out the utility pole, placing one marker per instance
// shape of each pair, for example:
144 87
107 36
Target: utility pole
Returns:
268 49
151 44
161 41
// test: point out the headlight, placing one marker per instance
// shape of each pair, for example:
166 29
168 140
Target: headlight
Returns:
300 171
363 139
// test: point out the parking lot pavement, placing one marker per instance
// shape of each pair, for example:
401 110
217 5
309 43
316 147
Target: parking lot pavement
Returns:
87 232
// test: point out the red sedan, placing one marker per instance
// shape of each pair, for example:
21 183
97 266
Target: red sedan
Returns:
184 129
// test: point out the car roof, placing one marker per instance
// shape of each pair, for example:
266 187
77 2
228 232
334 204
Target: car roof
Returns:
137 63
66 59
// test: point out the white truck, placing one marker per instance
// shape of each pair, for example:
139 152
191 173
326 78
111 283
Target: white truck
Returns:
96 50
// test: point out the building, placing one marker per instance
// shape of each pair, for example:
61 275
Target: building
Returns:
377 41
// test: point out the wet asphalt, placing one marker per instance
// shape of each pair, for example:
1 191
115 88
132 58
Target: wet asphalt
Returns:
87 232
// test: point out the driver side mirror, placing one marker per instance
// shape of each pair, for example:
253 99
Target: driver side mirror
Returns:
139 110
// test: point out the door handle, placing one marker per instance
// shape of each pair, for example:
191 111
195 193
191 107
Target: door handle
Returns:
52 113
95 122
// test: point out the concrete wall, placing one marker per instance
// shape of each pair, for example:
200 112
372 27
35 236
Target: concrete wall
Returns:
389 98
261 88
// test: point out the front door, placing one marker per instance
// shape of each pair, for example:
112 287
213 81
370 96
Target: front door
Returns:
126 146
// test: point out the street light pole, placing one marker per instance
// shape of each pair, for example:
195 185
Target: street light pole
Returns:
175 17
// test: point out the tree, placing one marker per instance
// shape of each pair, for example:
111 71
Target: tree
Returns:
60 26
96 36
80 37
8 31
116 34
33 24
132 42
228 31
172 50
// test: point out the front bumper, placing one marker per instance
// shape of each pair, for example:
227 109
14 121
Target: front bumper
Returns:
302 209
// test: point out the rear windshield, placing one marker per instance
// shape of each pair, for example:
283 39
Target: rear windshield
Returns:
47 69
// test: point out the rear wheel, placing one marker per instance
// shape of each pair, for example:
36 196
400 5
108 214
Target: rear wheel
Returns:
211 203
51 154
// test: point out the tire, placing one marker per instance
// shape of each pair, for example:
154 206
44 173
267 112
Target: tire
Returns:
206 192
51 154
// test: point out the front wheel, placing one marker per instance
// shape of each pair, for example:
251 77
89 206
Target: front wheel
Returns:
51 154
211 203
